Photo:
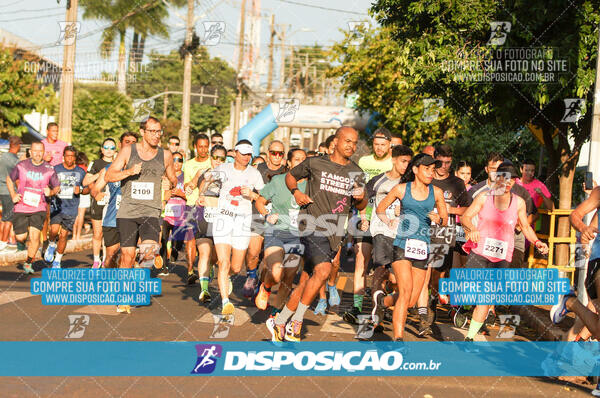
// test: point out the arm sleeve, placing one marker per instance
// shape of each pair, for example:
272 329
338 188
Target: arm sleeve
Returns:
302 170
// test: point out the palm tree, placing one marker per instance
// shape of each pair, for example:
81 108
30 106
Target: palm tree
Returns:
148 19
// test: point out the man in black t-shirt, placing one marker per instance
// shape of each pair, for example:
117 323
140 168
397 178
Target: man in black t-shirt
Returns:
273 166
332 189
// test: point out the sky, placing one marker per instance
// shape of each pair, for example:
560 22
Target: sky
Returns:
315 22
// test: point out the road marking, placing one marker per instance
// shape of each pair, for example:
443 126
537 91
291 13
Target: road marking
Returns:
241 316
10 297
335 324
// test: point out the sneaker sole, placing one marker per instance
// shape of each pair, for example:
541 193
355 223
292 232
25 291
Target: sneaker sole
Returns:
271 327
376 307
555 314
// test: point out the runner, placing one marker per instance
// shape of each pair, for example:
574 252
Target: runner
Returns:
8 161
81 160
498 211
190 169
207 209
64 206
173 215
231 226
141 167
37 182
107 153
272 167
283 249
330 193
463 171
443 238
537 189
418 197
53 147
383 236
374 164
216 139
111 197
173 144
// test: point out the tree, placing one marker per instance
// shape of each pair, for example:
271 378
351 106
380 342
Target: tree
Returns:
431 33
20 93
98 113
305 68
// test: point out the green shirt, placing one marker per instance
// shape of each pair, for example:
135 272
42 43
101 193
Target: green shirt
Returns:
283 202
372 168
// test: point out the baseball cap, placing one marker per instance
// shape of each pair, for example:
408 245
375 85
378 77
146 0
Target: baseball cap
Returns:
244 149
507 167
426 160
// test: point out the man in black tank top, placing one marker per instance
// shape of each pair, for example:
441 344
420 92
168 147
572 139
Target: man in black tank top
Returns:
140 168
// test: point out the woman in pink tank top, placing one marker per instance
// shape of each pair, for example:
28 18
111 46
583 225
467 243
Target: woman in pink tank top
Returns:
493 239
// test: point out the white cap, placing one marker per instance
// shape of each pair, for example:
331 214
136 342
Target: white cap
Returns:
244 149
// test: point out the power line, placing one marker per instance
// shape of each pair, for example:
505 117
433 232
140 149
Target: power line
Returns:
322 8
30 18
35 10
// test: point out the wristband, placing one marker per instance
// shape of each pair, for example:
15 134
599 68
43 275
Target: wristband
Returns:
536 242
293 190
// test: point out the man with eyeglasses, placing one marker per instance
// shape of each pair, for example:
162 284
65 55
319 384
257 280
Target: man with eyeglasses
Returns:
272 167
216 139
140 168
173 144
192 213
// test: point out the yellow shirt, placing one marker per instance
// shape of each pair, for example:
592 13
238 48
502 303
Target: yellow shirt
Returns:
374 167
190 168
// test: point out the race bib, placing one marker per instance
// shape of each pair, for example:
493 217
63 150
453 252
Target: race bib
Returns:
460 234
210 213
293 213
31 198
495 248
174 210
66 192
142 190
104 200
415 249
118 202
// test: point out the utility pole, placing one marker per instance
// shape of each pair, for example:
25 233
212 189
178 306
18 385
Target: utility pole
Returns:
282 71
68 73
270 75
238 98
184 132
165 105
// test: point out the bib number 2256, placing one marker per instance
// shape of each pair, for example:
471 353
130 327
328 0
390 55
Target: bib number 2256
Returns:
415 249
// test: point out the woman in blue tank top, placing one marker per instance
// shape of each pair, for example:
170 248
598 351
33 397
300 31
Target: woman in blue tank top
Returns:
418 199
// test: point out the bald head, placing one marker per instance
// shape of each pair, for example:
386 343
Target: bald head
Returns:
346 139
429 150
345 130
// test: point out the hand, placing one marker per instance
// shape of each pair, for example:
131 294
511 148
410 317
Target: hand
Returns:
189 188
588 234
393 224
200 201
302 199
358 193
364 225
472 235
542 247
136 169
47 191
16 198
77 190
246 192
272 218
435 217
48 156
165 185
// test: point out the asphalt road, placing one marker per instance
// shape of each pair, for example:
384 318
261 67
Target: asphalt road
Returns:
177 315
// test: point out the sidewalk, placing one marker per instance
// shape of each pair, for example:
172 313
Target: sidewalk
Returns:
10 258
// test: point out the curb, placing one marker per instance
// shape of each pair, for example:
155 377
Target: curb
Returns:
538 318
19 256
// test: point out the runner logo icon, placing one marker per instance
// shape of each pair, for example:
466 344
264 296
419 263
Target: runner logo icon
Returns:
207 358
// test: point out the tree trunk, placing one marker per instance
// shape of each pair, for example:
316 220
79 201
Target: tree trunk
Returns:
133 51
122 68
566 176
140 52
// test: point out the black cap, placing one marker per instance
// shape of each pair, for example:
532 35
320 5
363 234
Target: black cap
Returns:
426 160
508 167
382 133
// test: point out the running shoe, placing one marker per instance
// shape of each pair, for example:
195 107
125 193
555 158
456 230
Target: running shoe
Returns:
321 307
469 347
292 331
484 330
277 331
559 311
334 296
262 298
27 268
192 278
164 271
55 264
249 286
121 309
49 253
228 309
424 328
351 316
205 297
96 265
378 309
596 392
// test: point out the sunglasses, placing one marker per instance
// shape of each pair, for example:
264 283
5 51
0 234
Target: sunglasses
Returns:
276 153
111 148
178 160
221 158
174 143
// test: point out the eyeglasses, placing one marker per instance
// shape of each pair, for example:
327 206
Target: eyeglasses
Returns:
110 148
154 132
174 143
221 158
178 160
276 153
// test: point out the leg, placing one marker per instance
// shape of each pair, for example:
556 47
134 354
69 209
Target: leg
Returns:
96 240
320 275
403 273
205 249
224 262
363 256
274 259
111 256
127 257
252 255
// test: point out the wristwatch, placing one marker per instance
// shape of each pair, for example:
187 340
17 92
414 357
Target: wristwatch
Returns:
293 190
